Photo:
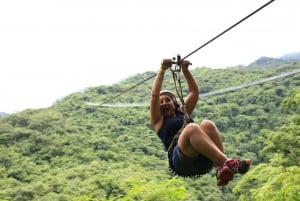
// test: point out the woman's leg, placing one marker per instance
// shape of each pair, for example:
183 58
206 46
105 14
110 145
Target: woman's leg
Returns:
212 131
205 139
194 141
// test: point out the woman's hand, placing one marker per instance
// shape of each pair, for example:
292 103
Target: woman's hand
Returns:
166 64
185 64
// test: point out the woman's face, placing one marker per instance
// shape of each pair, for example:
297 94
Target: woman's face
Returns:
167 106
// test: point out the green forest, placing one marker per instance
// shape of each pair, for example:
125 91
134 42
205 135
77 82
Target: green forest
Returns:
74 151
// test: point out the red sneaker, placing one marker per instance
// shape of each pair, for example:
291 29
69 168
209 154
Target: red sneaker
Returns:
231 166
224 175
238 166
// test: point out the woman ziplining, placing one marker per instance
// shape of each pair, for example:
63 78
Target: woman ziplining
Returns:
193 149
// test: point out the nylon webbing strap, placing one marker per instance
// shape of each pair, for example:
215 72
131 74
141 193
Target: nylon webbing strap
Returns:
176 78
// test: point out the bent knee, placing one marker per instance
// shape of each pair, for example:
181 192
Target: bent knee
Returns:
192 127
207 125
189 130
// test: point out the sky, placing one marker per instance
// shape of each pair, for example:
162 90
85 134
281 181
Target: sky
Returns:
52 48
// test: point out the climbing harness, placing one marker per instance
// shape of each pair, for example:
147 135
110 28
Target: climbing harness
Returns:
202 46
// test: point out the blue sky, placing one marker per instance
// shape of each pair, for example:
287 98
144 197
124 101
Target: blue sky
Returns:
49 49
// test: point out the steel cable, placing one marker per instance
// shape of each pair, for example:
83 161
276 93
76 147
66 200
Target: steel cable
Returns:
193 52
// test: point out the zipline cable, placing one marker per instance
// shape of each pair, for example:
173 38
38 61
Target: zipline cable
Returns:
214 38
127 90
193 52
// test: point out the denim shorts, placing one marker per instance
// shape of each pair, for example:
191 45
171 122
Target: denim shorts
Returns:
188 167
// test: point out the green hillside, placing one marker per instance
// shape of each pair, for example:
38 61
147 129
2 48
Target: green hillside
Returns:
73 151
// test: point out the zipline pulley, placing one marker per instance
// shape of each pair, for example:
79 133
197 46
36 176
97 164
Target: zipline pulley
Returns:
176 67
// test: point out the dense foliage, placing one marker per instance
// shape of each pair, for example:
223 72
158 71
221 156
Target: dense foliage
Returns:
75 151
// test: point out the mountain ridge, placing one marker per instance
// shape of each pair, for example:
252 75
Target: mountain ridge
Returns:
270 62
262 62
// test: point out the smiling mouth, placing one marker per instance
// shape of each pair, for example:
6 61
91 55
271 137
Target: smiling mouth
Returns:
166 111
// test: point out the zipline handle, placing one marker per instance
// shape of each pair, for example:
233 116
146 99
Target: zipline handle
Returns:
177 61
177 64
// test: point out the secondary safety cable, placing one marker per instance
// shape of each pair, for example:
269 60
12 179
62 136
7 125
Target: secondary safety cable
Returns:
193 52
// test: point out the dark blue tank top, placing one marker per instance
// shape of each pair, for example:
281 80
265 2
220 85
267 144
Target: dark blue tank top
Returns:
170 127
